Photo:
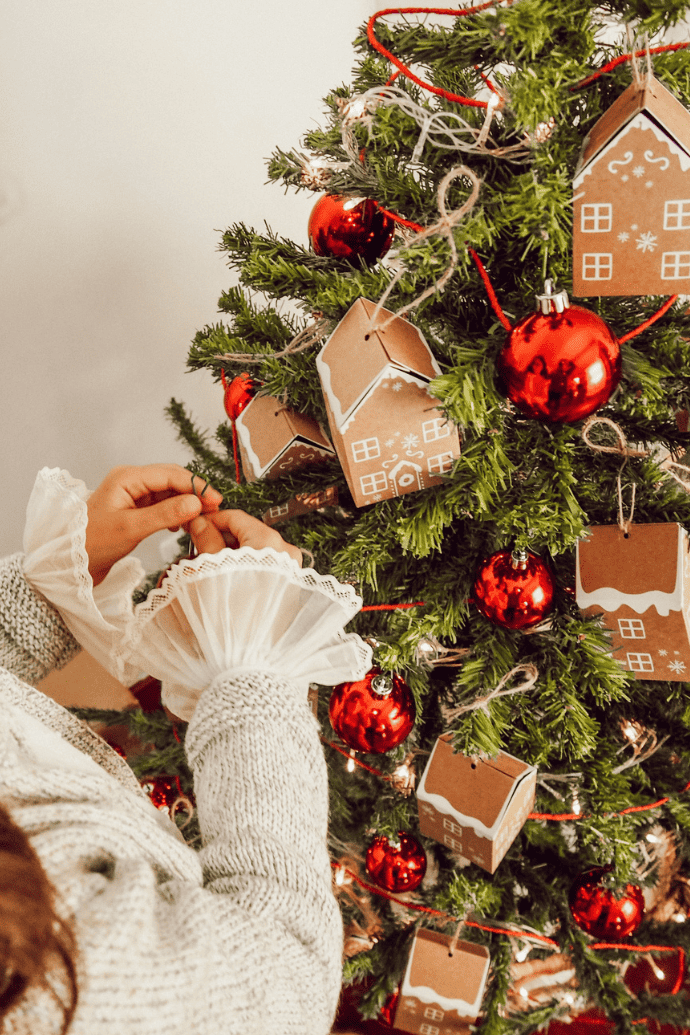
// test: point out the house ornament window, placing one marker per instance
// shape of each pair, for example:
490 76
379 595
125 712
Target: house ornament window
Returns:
675 265
441 463
677 215
640 662
631 629
365 449
373 482
597 266
596 219
437 428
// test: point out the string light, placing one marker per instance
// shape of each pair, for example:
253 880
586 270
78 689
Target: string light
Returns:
522 955
351 762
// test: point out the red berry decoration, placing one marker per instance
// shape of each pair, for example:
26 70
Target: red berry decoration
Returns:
596 909
350 228
514 590
396 866
373 714
238 393
561 363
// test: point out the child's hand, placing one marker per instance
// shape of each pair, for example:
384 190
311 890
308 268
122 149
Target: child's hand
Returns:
212 532
132 503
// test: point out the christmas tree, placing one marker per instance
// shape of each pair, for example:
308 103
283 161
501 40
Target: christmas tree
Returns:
459 177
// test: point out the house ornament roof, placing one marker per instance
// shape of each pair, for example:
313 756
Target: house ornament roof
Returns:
651 99
355 357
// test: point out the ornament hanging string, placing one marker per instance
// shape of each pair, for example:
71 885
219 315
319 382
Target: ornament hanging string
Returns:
445 227
307 337
622 449
628 57
530 671
446 130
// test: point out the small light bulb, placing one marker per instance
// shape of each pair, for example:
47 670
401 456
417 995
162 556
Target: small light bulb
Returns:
679 918
658 973
524 993
350 767
653 839
567 998
522 955
340 876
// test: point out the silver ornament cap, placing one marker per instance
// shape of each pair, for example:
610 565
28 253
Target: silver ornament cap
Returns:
552 301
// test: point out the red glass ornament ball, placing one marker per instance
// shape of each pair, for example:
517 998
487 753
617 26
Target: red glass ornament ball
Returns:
162 790
660 975
350 228
239 392
560 367
596 909
367 720
396 867
514 595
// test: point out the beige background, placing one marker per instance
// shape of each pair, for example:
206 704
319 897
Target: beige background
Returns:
130 134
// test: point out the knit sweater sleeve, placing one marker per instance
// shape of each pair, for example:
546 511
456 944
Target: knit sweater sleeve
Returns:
34 639
261 789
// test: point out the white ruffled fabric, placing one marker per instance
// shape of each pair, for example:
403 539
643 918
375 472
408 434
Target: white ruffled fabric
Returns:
214 616
56 565
246 610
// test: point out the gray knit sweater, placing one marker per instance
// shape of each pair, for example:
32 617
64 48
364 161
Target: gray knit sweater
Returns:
243 936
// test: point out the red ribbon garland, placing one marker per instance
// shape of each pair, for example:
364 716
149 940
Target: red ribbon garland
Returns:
517 934
458 13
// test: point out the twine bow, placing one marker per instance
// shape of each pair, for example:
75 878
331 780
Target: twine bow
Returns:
622 449
444 227
530 671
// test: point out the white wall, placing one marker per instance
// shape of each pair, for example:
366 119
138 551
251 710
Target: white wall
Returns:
130 133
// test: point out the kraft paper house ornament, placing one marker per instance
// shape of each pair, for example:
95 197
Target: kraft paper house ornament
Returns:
475 806
304 503
387 430
441 994
631 204
641 587
274 440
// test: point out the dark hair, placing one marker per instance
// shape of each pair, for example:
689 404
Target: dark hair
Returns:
31 932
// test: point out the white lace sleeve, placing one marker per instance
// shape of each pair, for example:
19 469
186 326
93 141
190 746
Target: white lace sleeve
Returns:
245 610
56 565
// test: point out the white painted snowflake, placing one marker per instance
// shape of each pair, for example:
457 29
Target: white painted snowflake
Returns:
633 226
625 178
377 497
410 441
646 242
624 236
677 666
638 171
649 183
663 652
389 443
397 387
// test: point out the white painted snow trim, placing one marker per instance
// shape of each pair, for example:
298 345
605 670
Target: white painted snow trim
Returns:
641 121
429 995
610 599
